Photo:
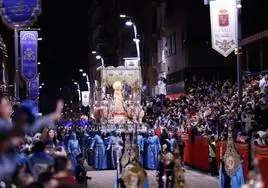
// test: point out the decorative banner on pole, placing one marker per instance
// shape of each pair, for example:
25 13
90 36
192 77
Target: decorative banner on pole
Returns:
223 19
19 13
85 98
29 45
34 89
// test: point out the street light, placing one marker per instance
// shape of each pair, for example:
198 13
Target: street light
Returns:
129 23
123 16
78 90
102 61
84 74
40 39
80 70
136 40
39 63
43 84
93 52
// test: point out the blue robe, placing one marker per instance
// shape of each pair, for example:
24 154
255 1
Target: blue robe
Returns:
152 151
236 181
141 148
90 159
100 157
73 149
111 149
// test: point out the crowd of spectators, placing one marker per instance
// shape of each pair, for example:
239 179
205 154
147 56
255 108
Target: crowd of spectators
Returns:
207 108
34 152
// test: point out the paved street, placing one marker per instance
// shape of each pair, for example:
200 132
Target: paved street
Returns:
195 179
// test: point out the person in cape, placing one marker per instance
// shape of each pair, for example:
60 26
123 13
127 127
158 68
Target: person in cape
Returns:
100 157
111 151
73 149
141 148
153 148
90 157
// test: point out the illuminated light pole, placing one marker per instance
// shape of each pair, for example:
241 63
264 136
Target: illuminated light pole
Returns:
130 23
238 50
78 90
100 58
102 65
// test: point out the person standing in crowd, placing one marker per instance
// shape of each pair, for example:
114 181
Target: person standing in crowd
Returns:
212 156
111 151
171 142
100 159
73 149
153 149
141 148
164 137
165 168
51 138
80 171
63 171
39 161
181 148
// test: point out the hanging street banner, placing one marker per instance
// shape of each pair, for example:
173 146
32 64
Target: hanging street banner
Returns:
19 13
34 89
223 17
85 98
29 45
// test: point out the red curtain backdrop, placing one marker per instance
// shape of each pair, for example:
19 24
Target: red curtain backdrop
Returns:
262 156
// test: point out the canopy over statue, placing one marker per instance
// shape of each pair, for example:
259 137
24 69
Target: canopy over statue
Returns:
118 95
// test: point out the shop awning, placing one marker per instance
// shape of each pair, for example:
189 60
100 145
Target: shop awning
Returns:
175 96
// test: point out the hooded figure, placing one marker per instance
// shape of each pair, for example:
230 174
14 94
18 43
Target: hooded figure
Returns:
141 148
100 156
73 149
153 148
111 151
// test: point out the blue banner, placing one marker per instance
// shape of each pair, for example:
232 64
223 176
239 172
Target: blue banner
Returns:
34 89
29 45
19 13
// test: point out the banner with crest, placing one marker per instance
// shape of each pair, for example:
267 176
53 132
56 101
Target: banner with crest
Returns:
19 13
29 45
85 98
223 19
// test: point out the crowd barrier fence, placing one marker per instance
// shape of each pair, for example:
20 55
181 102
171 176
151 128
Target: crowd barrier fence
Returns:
196 155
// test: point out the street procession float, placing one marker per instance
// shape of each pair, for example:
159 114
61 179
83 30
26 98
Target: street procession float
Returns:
117 98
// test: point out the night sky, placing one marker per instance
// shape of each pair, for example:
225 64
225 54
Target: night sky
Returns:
64 49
